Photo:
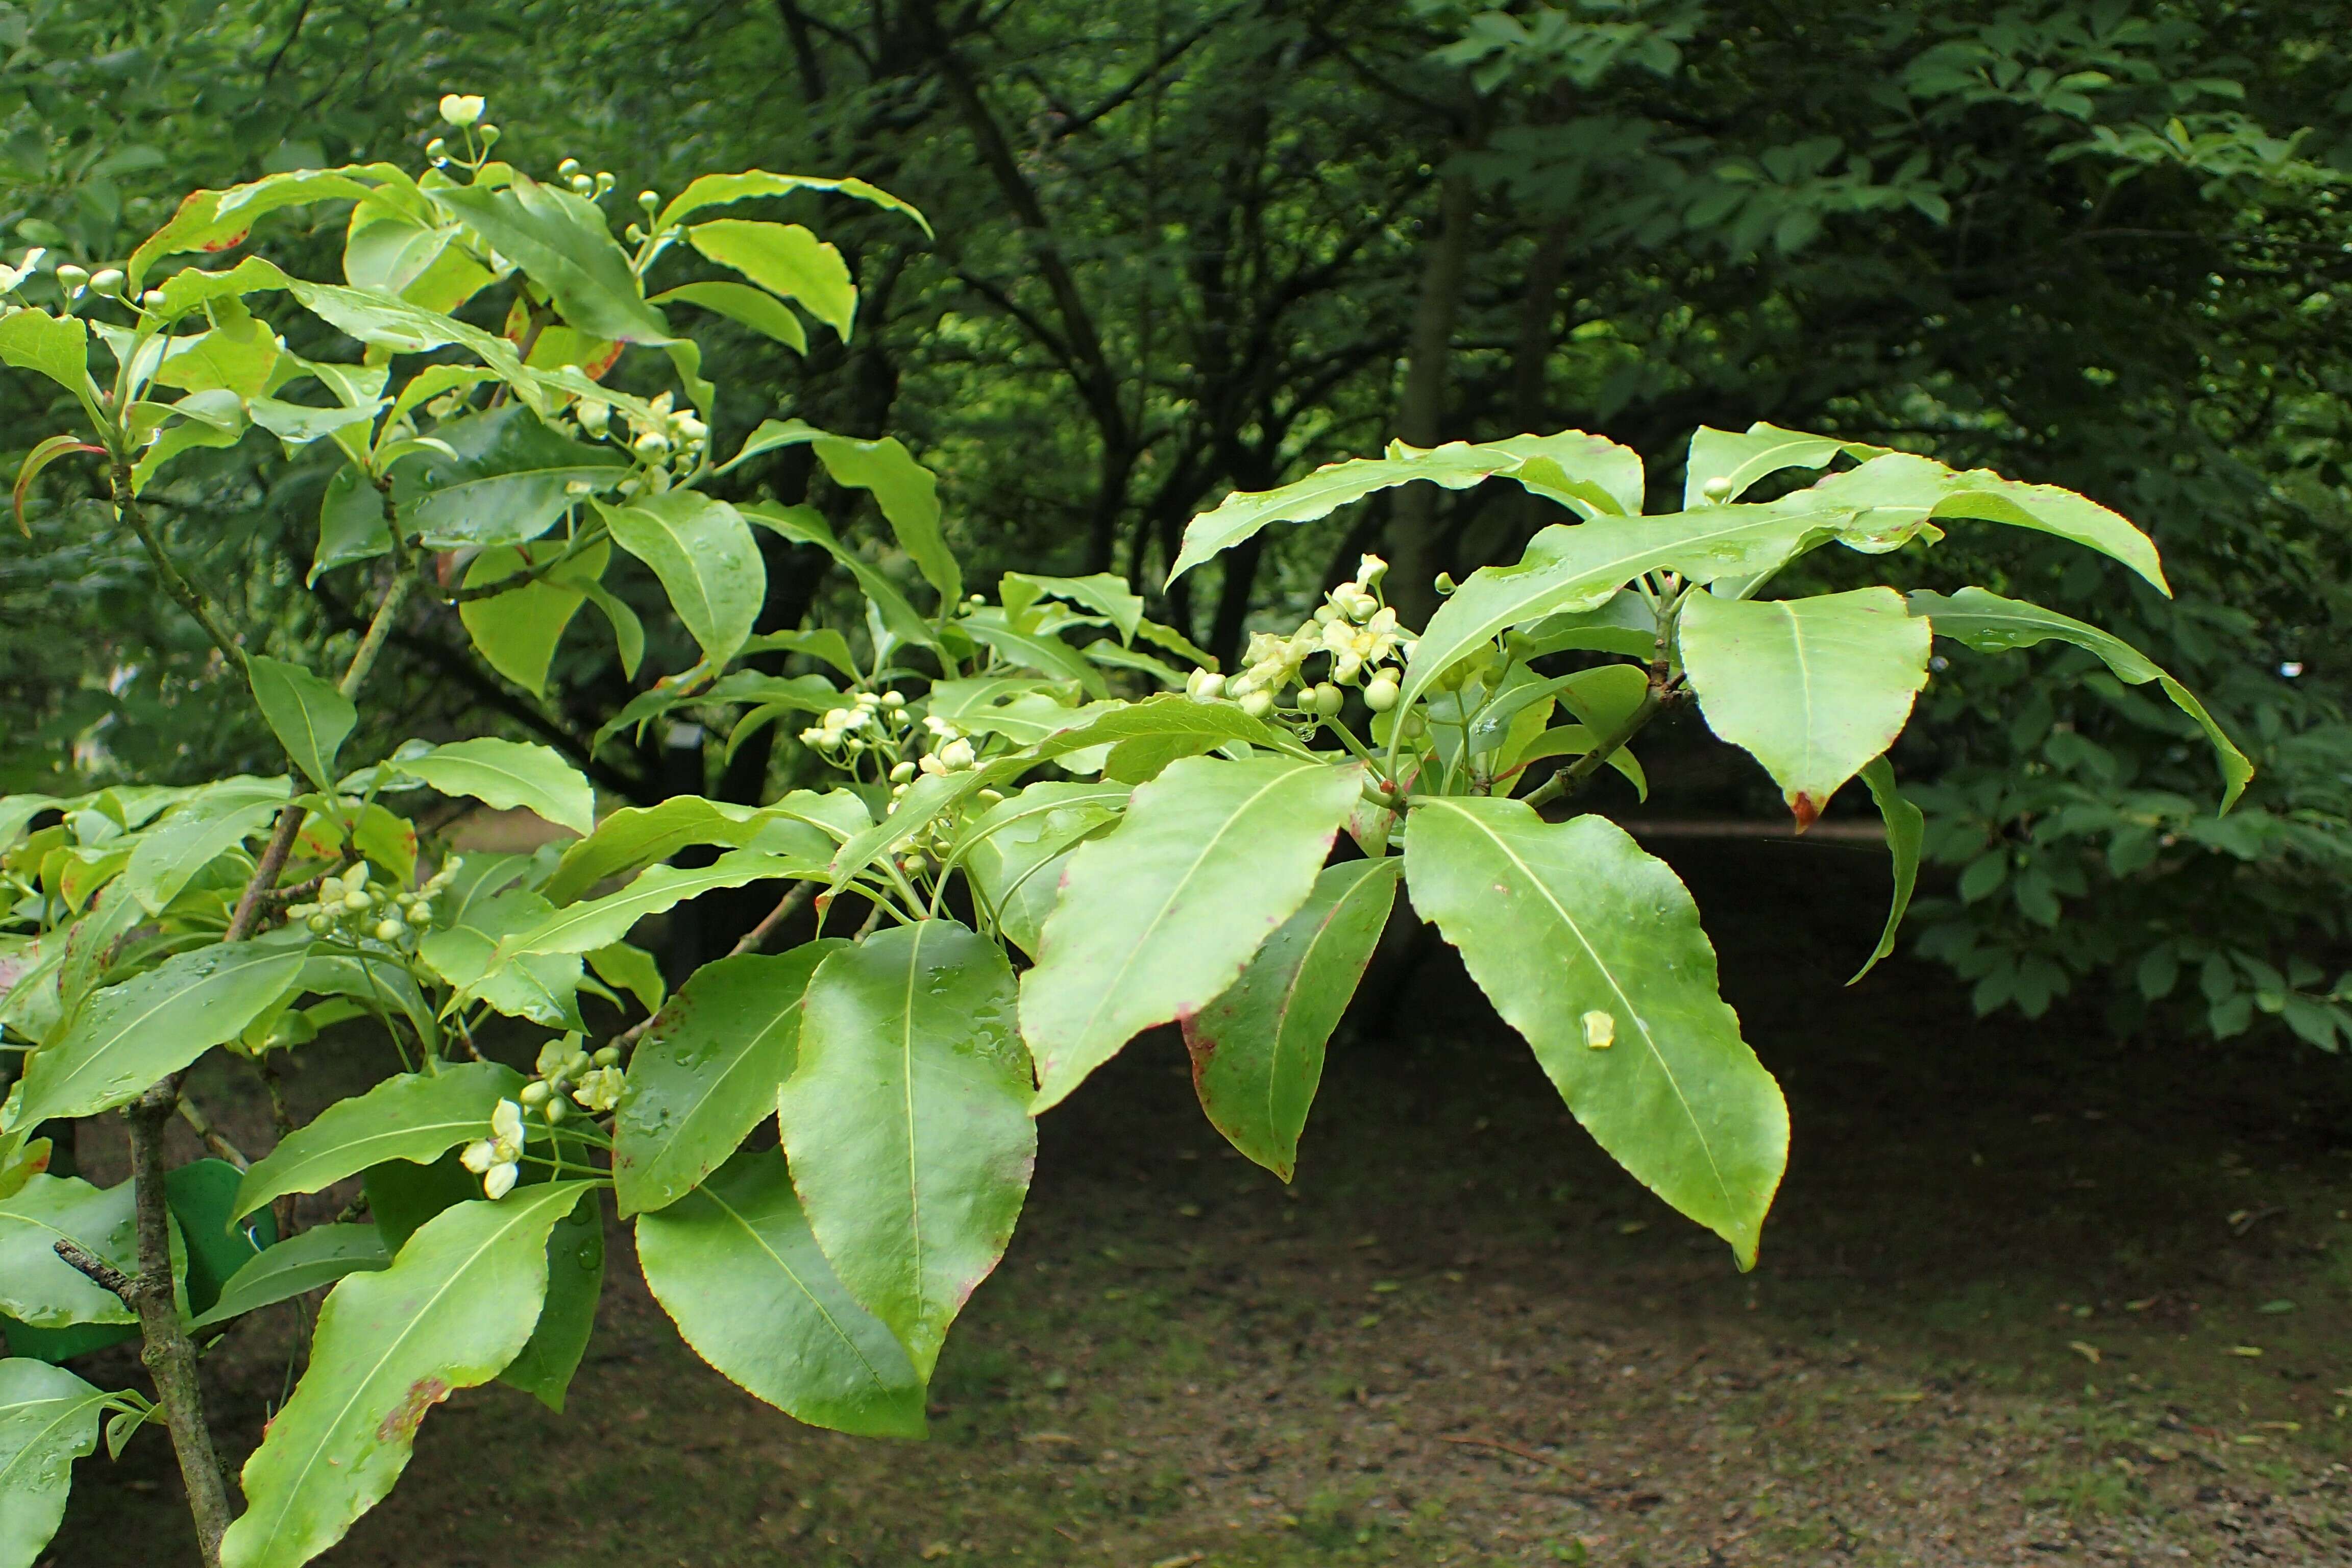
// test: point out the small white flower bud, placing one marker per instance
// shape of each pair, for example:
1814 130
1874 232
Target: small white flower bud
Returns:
1717 488
1258 704
461 108
1380 692
499 1181
107 280
534 1094
902 772
956 755
479 1156
390 931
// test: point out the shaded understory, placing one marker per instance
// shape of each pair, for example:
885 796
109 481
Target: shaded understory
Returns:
2031 1294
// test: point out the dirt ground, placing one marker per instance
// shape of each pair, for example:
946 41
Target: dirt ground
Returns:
2031 1294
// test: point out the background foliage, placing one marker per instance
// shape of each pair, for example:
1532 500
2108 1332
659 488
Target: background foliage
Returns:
1187 247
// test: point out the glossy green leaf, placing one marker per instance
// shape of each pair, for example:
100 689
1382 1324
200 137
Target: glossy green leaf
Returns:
411 1116
517 632
451 1312
1596 476
1901 488
504 775
1813 688
1012 852
706 559
310 1261
1990 624
1156 919
402 1196
806 525
309 716
735 1266
634 836
706 1072
1907 830
37 1285
909 495
561 241
783 258
212 1248
214 220
600 922
1572 567
196 832
1592 951
1258 1049
130 1036
350 524
1169 714
54 346
48 1418
754 308
718 190
44 452
541 987
511 479
1105 593
1739 459
907 1122
1041 651
575 1283
633 969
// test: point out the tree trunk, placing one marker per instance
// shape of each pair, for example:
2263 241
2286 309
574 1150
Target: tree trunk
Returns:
1412 541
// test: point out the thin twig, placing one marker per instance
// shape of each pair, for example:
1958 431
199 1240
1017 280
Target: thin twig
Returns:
265 874
202 1125
1512 1449
1570 779
126 507
786 906
371 641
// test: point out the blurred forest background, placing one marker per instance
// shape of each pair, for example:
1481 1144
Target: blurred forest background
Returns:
1190 246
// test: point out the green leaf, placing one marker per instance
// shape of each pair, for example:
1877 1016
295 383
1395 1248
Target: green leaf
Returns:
402 1196
1990 624
1105 593
309 716
196 833
754 308
48 1418
907 1122
1623 625
1033 651
806 525
1594 476
706 559
510 481
909 495
55 346
198 1195
43 454
1813 688
412 1116
1011 854
783 258
635 837
928 797
560 240
214 220
517 632
350 524
600 922
1258 1049
541 987
130 1036
503 775
1741 458
823 644
451 1312
1572 567
295 1266
575 1282
1170 714
734 1265
1156 919
706 1072
1907 829
1592 951
633 969
39 1287
718 190
1903 490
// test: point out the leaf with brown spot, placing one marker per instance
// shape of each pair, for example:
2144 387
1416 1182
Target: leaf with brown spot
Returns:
454 1309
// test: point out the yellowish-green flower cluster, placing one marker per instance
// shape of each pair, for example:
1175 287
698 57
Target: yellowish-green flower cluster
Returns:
568 1075
1351 627
671 435
350 906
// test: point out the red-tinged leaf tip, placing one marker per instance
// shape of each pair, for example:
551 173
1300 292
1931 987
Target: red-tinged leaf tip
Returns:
1805 808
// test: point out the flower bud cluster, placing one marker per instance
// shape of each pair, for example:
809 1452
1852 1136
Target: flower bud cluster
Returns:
568 1076
672 436
581 182
1351 627
871 721
358 910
